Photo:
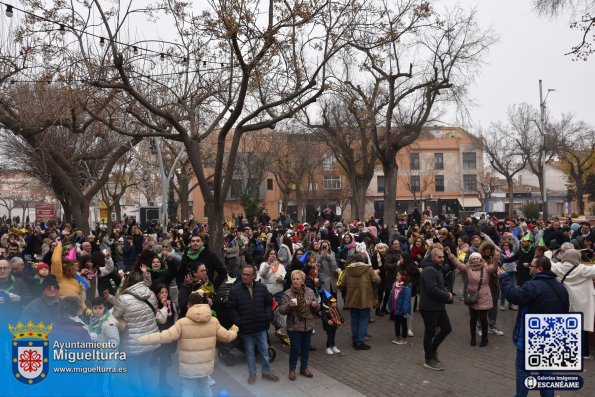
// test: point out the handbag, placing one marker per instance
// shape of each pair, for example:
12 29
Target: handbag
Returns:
470 298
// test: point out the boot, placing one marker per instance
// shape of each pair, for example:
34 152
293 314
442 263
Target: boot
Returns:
484 342
473 341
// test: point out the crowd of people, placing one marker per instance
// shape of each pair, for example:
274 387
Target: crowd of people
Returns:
151 293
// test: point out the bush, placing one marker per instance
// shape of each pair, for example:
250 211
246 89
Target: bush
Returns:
532 210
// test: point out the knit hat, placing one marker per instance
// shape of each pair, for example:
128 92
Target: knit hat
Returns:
40 266
50 281
572 256
474 255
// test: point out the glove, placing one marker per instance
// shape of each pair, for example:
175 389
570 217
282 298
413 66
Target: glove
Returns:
234 328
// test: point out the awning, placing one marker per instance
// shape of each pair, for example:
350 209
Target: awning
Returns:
469 202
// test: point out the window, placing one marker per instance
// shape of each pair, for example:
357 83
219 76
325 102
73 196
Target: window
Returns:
328 163
380 183
469 162
235 190
470 182
269 184
415 187
332 183
439 182
439 161
414 159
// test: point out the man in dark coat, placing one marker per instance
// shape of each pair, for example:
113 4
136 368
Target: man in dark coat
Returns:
541 294
433 296
198 252
250 307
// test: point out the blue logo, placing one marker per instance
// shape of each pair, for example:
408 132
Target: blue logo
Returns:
30 352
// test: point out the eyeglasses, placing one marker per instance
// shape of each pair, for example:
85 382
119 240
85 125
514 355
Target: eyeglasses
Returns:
4 268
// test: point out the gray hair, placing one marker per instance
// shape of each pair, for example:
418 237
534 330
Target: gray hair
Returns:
566 247
434 252
16 260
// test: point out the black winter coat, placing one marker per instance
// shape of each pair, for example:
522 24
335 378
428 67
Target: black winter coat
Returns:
251 314
211 261
433 292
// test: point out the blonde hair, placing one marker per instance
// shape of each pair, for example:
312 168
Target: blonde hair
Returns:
301 274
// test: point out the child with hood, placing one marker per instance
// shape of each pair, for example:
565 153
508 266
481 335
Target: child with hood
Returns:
197 335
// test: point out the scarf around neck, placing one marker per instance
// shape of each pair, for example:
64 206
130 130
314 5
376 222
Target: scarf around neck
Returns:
194 254
302 306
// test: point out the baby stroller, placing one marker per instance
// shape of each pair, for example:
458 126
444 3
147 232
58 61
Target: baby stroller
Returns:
224 350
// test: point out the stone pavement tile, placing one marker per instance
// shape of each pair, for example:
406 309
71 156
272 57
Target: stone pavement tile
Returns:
389 369
321 385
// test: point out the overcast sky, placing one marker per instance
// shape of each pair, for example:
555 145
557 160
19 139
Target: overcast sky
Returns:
529 48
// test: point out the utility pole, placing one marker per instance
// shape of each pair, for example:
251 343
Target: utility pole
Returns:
543 149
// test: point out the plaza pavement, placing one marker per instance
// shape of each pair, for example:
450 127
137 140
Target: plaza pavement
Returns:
396 370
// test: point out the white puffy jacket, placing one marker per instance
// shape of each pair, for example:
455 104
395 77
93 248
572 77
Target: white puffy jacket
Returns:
140 319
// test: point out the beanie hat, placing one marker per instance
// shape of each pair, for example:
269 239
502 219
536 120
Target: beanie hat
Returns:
572 256
50 281
40 266
474 255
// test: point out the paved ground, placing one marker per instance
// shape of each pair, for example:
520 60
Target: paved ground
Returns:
389 369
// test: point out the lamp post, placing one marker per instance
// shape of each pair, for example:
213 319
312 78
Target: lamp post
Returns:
543 149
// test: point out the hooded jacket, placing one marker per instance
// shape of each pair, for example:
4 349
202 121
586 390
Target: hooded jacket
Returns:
139 317
360 279
197 335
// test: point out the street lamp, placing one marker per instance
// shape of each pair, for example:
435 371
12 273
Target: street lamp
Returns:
543 149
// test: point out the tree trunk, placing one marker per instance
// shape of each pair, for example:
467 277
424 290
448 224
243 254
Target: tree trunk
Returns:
300 209
510 183
80 213
358 199
390 191
118 209
110 223
580 202
216 239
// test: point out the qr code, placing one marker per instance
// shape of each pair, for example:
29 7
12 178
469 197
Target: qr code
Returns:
553 342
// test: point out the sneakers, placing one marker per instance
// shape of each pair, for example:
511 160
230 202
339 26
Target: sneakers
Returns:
495 331
251 378
514 308
335 350
401 341
502 307
435 358
396 340
329 350
479 332
432 364
410 333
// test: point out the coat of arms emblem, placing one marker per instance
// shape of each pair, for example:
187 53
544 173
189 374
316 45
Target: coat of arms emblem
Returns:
30 351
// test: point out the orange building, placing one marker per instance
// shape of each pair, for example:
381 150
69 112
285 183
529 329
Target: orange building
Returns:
442 170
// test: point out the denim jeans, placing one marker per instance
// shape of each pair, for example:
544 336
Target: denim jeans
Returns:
359 324
300 346
433 319
521 374
196 387
260 338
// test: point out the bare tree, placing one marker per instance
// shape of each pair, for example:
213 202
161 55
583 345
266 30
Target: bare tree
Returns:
578 159
410 59
504 156
537 147
583 20
237 66
348 135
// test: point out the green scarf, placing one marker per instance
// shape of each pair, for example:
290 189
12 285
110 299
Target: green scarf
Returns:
193 254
